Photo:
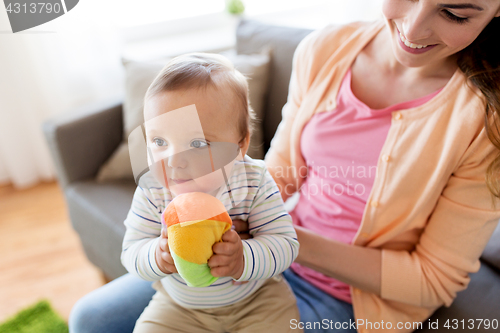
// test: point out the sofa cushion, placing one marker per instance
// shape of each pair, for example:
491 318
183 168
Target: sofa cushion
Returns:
491 253
252 35
139 76
97 212
478 301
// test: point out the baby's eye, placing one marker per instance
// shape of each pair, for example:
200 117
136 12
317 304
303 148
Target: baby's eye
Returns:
199 144
159 142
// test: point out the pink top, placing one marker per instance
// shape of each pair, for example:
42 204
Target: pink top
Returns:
341 148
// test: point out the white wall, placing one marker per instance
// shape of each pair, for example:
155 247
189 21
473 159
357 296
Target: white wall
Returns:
76 59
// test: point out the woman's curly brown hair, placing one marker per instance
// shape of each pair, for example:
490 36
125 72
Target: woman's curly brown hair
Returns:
480 62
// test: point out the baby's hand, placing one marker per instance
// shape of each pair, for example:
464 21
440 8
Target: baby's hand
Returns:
163 258
228 256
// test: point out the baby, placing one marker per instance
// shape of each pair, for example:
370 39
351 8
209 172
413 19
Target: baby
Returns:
197 126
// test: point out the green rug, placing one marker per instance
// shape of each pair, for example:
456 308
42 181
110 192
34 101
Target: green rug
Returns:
39 318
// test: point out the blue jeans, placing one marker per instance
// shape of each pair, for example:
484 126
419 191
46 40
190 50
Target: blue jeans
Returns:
115 307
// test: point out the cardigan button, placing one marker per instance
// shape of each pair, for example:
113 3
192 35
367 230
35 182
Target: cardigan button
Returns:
386 158
374 203
398 115
330 104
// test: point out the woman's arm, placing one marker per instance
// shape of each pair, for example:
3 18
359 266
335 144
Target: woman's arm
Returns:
355 265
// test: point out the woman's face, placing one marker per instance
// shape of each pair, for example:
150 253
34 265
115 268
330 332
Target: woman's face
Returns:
430 31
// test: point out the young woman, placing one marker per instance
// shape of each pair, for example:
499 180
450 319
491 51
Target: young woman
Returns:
390 135
416 99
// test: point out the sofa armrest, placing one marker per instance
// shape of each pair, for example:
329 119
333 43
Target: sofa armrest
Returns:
82 140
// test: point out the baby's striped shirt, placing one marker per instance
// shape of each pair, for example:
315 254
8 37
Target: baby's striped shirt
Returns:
272 249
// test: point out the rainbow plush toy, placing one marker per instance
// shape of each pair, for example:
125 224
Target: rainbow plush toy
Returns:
195 222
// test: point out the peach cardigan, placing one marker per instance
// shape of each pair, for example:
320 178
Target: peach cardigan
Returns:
429 209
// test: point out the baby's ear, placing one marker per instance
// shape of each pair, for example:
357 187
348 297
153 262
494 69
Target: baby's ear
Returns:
244 144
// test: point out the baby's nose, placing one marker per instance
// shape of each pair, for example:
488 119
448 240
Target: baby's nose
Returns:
177 160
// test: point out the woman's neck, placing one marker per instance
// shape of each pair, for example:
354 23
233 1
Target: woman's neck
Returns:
379 80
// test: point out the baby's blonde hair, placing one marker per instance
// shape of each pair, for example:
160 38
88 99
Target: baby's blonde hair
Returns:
202 70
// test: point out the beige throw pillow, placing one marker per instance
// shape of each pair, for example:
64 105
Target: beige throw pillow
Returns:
138 77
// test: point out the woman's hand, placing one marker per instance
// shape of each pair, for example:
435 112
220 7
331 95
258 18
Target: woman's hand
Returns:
358 266
163 258
241 227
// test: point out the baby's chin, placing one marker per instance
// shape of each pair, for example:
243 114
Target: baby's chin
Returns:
191 186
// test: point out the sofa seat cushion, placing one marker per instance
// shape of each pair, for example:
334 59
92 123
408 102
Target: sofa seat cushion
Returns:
478 301
97 212
491 253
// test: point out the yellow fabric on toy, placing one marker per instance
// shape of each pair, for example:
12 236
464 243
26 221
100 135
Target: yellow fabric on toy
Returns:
195 222
194 242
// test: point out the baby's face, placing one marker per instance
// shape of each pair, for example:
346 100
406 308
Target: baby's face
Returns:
184 129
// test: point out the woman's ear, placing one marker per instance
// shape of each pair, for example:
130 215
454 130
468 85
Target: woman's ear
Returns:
244 144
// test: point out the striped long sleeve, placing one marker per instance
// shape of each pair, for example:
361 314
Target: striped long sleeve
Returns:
143 224
252 196
274 245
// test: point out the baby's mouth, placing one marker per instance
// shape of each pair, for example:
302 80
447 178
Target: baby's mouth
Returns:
178 181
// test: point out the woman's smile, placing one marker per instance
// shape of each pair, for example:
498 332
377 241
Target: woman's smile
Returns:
411 47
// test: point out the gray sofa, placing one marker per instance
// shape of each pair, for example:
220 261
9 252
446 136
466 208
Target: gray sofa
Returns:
83 140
